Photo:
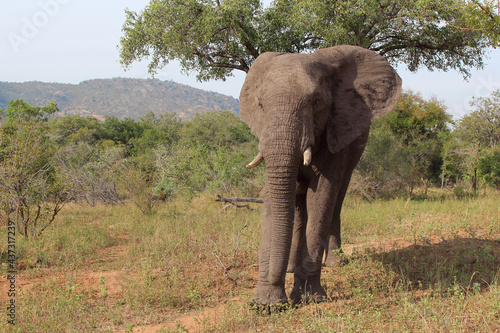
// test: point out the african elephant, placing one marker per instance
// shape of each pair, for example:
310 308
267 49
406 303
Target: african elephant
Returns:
311 114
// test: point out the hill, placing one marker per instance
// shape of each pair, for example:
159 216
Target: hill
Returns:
118 97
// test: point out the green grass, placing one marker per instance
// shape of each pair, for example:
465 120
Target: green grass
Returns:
52 308
381 220
109 268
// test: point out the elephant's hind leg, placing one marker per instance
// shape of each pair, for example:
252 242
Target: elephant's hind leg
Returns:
333 252
350 157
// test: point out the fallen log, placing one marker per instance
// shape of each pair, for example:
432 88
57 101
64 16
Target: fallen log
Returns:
221 198
234 201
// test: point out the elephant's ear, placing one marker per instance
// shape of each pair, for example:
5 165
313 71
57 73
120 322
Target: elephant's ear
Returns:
251 111
365 88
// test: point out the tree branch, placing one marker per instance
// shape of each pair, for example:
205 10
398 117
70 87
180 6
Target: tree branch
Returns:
490 14
243 66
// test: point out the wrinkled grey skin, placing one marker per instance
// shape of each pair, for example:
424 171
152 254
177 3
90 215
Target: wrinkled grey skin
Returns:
326 101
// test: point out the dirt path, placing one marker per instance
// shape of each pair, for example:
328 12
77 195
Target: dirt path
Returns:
102 282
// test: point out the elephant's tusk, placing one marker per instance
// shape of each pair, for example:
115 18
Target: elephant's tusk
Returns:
256 161
307 156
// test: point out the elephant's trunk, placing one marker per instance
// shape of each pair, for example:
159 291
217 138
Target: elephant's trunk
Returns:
281 183
282 164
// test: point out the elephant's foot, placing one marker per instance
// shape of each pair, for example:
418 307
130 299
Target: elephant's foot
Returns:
307 291
269 298
336 258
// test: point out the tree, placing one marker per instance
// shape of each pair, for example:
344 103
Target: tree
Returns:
31 191
489 168
157 130
475 142
405 146
120 131
421 125
482 126
415 118
21 110
216 37
74 128
215 129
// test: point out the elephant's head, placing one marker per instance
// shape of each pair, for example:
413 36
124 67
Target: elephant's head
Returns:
292 101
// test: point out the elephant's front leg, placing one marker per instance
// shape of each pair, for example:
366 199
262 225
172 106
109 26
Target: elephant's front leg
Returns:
307 273
267 294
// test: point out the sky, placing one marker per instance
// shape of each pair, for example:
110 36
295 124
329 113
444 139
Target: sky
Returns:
69 41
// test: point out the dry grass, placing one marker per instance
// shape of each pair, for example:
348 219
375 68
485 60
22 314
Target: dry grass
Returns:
421 265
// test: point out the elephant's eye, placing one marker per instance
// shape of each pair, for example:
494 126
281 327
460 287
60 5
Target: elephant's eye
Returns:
317 101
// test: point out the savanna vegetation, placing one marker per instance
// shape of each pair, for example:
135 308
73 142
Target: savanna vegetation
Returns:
47 162
116 224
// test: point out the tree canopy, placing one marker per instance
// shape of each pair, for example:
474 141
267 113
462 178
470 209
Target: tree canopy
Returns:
21 110
215 37
484 16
